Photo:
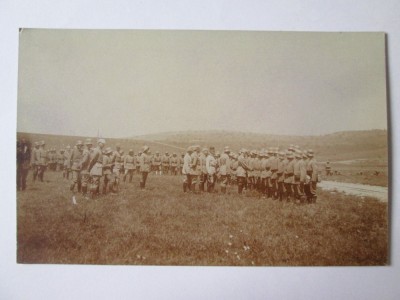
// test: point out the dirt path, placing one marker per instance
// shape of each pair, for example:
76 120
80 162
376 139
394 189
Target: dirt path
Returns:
363 190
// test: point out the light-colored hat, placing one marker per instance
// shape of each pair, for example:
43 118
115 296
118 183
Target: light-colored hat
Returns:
108 150
79 143
226 149
310 153
42 143
190 149
88 141
130 150
145 148
103 141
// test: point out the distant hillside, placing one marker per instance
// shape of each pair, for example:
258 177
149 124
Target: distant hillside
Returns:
340 145
371 144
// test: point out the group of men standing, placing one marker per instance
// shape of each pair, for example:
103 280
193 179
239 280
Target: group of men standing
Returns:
290 174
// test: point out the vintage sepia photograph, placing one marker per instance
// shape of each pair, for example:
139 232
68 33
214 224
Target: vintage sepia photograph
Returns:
202 148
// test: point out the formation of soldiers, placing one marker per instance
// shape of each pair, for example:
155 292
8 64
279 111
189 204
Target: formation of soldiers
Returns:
290 175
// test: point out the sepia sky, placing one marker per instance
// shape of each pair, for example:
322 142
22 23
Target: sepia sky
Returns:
126 83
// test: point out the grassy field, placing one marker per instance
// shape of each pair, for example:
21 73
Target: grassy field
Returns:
163 226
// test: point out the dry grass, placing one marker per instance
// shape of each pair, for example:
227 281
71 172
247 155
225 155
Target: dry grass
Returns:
163 226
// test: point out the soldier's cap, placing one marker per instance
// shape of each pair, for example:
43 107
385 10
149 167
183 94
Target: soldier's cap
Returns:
212 148
68 147
42 143
130 150
226 149
217 153
281 153
305 154
88 141
36 143
145 148
290 155
205 150
190 149
197 147
310 153
298 154
103 141
79 143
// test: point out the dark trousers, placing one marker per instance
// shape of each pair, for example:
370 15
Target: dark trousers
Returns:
241 183
22 174
144 179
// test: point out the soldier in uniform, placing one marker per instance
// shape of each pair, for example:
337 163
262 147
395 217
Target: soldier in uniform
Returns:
157 163
122 169
211 164
107 169
86 157
35 160
328 169
195 163
129 165
312 172
173 164
60 159
41 160
186 170
303 173
165 163
274 162
280 175
23 162
67 156
203 169
263 174
181 163
75 165
144 166
117 164
233 168
296 178
96 167
224 168
241 170
289 173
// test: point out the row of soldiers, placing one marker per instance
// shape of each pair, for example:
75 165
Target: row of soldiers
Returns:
290 174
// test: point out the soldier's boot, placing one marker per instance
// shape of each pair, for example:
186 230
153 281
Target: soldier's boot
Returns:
79 187
184 187
72 187
193 188
223 190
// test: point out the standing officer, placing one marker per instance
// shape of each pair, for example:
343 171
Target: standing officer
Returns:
280 175
116 160
86 157
145 163
289 173
60 160
35 160
165 163
194 170
186 170
75 165
67 156
241 170
96 167
296 178
203 169
312 171
157 163
107 169
41 160
129 165
23 161
224 168
211 164
173 164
